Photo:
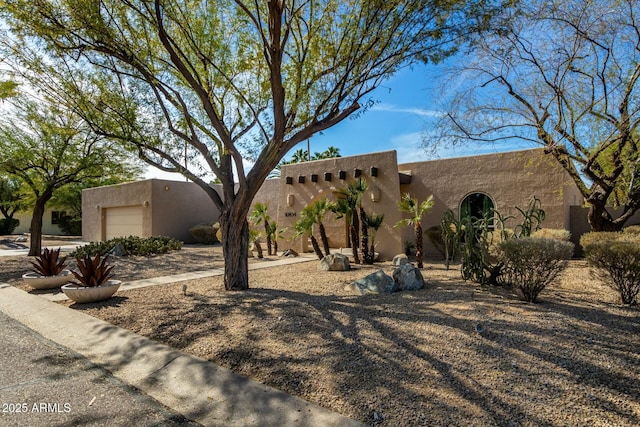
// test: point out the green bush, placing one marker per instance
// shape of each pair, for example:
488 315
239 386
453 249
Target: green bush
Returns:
616 262
132 245
8 225
532 263
552 233
205 234
70 225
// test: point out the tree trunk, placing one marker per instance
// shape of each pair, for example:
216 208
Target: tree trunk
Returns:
367 255
266 232
35 244
599 218
235 248
323 238
354 243
316 247
418 230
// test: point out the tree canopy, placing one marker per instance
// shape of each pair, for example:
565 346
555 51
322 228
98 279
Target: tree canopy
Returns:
47 148
219 83
564 75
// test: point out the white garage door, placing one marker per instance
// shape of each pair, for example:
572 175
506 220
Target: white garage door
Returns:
123 221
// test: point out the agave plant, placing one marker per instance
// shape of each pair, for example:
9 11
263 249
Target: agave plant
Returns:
49 263
93 272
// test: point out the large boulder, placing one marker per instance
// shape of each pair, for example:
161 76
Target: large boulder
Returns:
289 253
334 262
408 277
375 283
400 259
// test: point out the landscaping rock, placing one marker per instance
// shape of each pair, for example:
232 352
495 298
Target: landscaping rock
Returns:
408 277
334 262
118 250
289 253
375 283
400 259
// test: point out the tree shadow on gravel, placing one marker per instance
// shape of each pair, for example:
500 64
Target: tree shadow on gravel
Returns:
410 359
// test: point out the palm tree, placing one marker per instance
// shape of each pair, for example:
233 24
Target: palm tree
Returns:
374 222
416 211
357 189
254 237
349 206
305 226
319 210
260 214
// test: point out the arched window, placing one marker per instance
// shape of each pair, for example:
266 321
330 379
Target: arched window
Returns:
477 205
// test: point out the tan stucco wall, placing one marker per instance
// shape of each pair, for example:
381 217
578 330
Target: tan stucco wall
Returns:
170 208
386 184
177 206
509 179
47 226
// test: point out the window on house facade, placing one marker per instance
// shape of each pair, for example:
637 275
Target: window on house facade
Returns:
56 216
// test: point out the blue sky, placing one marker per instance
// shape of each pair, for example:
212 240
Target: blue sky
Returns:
402 116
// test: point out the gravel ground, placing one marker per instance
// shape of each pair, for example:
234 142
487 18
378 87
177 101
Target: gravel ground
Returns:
407 359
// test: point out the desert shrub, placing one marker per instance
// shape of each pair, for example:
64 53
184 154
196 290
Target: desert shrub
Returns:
8 225
71 225
205 233
632 229
601 236
434 234
132 245
531 263
616 262
552 233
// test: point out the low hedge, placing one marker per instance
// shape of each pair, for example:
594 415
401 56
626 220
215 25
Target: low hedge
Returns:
205 234
615 258
131 245
8 225
532 263
552 233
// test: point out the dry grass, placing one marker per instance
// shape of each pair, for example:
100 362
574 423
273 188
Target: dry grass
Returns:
411 358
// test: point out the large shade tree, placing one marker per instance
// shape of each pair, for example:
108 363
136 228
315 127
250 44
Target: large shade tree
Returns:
219 83
563 75
48 148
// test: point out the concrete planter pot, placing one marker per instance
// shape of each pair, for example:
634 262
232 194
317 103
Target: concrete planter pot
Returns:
84 294
47 282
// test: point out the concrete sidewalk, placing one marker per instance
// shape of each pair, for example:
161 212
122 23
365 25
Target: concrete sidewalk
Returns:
166 378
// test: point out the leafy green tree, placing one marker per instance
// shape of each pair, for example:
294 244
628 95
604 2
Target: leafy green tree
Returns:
416 211
227 81
11 197
563 75
48 148
260 214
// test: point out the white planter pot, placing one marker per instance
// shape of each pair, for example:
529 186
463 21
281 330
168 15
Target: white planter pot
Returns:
47 282
83 294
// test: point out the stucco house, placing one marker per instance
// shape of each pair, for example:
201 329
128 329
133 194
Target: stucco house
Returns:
50 221
501 181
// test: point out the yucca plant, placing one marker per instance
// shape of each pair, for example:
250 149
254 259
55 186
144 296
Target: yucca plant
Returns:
93 272
49 263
